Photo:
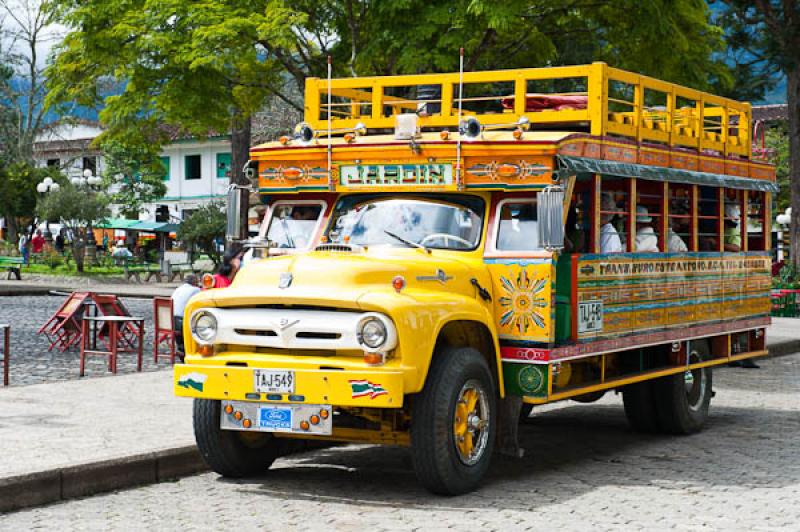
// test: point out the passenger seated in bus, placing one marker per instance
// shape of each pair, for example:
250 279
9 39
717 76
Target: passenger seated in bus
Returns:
646 238
575 237
675 243
609 237
732 236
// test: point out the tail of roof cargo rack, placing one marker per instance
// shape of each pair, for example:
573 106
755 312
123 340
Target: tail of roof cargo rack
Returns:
596 98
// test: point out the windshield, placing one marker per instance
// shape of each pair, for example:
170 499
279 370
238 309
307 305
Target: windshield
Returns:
433 222
292 225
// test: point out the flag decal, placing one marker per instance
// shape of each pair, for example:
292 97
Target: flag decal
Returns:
365 388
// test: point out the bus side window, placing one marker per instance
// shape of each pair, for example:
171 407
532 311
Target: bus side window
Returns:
614 213
709 230
756 218
518 229
680 233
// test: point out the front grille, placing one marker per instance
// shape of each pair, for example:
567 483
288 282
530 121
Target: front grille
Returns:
252 332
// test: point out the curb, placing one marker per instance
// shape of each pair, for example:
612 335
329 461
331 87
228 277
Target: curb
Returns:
35 489
782 349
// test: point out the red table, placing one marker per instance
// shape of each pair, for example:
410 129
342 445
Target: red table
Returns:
116 343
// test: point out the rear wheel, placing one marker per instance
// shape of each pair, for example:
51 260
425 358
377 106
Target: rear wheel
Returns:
682 400
454 422
640 407
228 452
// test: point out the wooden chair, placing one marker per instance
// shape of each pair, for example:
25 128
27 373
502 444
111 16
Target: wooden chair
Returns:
164 343
63 329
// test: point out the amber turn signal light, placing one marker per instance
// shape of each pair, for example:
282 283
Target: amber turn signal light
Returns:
238 416
444 134
247 423
284 140
373 359
324 413
314 419
228 409
208 281
398 283
349 137
304 425
205 350
517 134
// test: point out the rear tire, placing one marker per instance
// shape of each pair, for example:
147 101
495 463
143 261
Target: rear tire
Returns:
640 407
228 452
454 422
682 400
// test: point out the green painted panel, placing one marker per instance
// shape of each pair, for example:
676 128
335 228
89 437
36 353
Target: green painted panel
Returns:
525 379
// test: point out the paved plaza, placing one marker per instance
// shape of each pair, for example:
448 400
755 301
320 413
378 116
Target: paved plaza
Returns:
32 363
584 470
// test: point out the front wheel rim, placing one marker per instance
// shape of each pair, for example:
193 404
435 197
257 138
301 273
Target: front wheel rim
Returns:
471 422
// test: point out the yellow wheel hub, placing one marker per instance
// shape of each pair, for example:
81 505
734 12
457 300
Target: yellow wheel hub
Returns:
471 423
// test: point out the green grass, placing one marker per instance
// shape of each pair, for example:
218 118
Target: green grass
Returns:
69 270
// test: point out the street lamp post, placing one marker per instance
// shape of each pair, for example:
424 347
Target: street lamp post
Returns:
47 185
92 182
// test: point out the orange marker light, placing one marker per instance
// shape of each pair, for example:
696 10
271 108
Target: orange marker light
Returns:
238 416
517 134
399 282
228 409
208 281
324 413
284 140
304 425
444 134
314 419
349 137
205 350
247 423
373 359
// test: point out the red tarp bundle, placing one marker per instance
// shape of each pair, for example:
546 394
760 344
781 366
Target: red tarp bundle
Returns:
549 102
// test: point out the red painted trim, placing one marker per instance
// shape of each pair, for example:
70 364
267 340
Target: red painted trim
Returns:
538 356
574 299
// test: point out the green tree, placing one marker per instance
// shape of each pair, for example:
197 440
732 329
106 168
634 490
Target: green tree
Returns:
204 228
777 141
18 182
134 172
769 32
76 209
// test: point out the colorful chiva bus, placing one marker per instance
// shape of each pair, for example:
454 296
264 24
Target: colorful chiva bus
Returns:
442 252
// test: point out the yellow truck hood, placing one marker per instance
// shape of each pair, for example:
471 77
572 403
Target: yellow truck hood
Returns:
324 278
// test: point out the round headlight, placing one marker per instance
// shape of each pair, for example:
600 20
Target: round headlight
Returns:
372 333
205 327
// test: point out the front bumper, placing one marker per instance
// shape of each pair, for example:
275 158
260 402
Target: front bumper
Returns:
381 389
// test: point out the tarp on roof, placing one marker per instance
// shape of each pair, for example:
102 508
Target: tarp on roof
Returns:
116 223
659 173
154 227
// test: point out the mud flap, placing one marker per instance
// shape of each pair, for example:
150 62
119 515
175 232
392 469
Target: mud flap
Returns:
508 410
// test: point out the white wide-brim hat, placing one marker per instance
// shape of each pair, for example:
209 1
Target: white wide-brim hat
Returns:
642 214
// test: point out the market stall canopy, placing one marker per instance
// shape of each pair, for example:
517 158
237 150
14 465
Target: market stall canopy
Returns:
116 223
154 227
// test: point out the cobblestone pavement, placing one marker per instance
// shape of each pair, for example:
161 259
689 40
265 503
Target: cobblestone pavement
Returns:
585 470
32 363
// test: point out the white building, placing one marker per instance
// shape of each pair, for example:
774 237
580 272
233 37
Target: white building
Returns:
196 171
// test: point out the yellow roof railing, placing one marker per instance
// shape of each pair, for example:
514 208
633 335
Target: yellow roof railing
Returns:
593 98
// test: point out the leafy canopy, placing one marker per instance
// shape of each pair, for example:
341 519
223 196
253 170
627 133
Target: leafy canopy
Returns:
204 228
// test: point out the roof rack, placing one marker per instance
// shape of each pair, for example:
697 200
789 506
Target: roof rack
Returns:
594 98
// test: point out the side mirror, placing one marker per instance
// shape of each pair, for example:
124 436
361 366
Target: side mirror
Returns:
236 200
550 213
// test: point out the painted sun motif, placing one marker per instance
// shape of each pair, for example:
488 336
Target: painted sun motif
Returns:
521 301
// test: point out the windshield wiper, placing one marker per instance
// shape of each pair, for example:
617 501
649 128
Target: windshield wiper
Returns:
406 241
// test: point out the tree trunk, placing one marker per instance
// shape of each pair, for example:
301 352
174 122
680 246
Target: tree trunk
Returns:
11 226
793 99
240 154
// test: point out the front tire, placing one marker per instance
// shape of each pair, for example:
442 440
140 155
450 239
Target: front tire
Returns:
454 422
228 452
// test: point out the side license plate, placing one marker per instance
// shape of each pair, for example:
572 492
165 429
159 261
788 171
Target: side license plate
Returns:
590 316
273 381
